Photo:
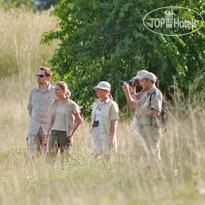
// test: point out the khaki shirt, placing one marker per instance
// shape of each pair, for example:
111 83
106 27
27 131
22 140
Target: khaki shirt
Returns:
135 122
109 112
60 118
40 107
151 100
71 109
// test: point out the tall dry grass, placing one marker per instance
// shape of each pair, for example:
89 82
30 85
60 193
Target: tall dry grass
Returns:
20 34
178 179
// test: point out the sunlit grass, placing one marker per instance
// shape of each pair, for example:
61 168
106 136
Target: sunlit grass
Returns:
20 34
177 179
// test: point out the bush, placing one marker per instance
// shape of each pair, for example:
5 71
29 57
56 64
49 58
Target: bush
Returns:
106 40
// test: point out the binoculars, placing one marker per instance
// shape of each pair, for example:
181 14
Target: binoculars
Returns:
95 123
130 82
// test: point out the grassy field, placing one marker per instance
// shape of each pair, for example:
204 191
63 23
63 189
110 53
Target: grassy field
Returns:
178 179
20 34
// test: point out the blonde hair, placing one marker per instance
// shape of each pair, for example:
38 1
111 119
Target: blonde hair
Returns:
64 87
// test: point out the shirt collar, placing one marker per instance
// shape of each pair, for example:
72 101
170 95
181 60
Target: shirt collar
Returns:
107 100
152 90
48 88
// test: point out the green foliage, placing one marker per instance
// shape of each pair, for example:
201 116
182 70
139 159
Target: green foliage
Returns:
8 66
106 40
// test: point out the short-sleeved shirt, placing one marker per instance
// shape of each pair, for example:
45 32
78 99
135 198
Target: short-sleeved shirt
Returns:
109 112
60 118
72 108
136 124
40 107
152 100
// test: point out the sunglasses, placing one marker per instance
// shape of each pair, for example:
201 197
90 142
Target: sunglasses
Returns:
41 76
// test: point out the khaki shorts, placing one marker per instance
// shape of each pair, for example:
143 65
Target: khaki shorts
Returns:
35 143
58 140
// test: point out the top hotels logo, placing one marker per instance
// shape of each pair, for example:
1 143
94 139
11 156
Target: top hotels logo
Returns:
173 21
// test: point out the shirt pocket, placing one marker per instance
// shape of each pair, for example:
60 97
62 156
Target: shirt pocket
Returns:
105 113
36 104
46 105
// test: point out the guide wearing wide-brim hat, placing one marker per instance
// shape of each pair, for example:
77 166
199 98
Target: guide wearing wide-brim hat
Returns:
150 76
149 129
140 74
105 111
104 85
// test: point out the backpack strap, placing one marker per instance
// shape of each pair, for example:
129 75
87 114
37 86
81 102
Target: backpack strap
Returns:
150 102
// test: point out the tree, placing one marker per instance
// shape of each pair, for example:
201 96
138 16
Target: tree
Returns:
106 40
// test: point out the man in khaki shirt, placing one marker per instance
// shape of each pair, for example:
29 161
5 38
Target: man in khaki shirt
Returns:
39 108
148 107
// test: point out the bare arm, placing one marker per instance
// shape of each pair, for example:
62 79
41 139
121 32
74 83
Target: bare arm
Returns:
78 121
131 102
29 112
155 104
113 128
49 129
29 107
152 113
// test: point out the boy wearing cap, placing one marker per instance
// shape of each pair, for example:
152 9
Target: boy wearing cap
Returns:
148 108
104 117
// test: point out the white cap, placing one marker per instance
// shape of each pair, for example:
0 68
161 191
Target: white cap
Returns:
140 74
150 76
104 85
